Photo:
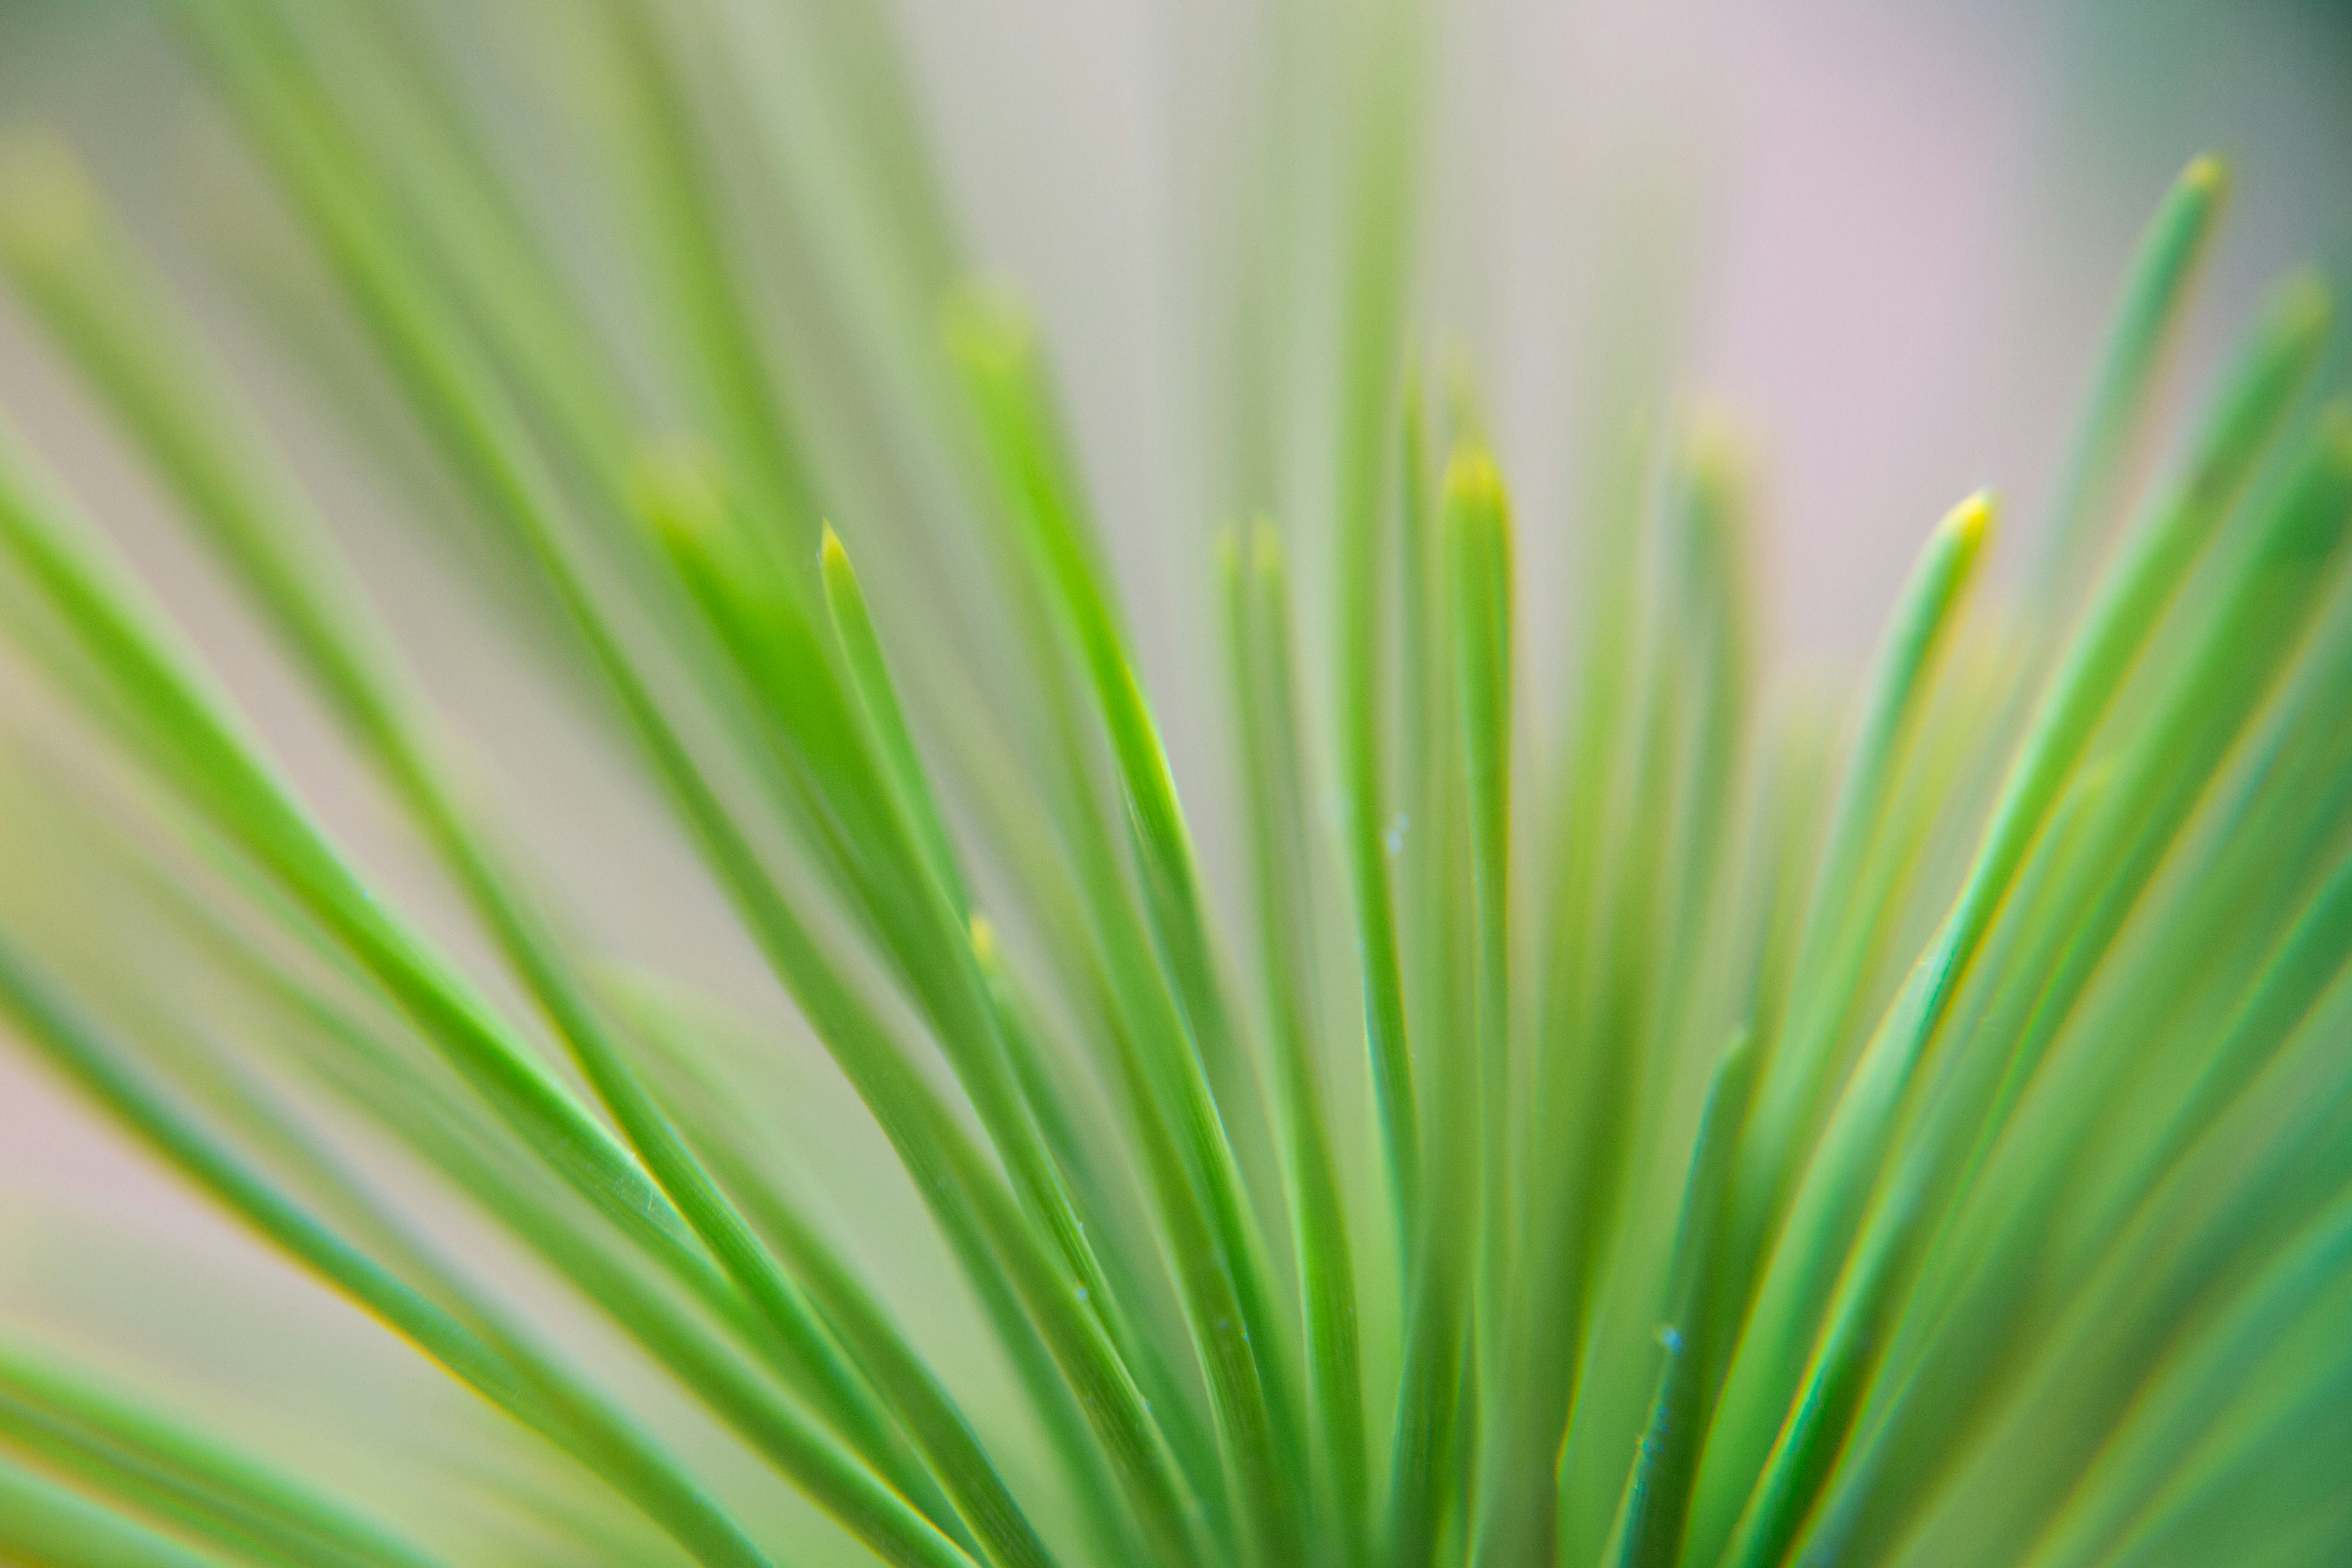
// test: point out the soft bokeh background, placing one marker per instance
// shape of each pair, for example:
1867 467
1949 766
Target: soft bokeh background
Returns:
1884 235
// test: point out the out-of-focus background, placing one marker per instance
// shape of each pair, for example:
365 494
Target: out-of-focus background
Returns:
1882 234
1902 222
